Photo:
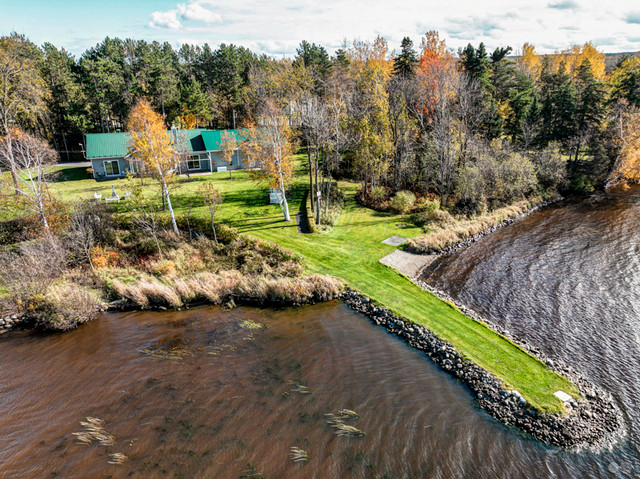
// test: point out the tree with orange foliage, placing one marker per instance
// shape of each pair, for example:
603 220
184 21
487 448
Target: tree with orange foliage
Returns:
436 67
627 166
150 144
269 151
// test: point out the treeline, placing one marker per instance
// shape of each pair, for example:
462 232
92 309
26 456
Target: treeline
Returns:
476 128
194 86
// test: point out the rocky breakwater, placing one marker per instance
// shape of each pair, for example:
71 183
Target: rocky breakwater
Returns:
593 421
9 322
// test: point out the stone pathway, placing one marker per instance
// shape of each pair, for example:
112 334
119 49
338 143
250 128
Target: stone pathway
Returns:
409 264
395 240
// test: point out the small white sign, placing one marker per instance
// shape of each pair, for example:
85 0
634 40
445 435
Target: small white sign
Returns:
563 396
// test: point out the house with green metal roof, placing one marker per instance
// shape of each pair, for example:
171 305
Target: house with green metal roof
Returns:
199 151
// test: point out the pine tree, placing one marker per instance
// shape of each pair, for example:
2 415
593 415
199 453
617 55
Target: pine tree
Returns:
405 64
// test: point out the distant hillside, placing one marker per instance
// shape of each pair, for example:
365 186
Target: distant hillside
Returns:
612 59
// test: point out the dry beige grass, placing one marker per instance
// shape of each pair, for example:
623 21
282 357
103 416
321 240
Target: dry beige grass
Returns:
217 288
441 236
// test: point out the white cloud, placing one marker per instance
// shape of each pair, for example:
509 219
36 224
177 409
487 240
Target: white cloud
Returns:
165 20
276 27
196 11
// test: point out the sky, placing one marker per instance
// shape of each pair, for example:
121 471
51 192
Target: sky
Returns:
276 27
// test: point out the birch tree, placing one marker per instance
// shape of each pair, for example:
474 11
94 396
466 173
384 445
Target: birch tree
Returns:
627 165
150 144
228 145
22 91
211 198
268 150
28 157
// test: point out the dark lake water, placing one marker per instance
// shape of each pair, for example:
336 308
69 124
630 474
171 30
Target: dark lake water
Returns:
210 394
566 279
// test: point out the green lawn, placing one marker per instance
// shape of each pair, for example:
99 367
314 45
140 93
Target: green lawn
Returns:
351 251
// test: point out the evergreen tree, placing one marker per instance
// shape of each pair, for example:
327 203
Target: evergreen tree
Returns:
195 101
163 77
340 59
405 64
559 101
476 63
67 103
625 81
315 58
589 111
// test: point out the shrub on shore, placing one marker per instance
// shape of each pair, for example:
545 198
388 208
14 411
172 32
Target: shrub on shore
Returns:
59 282
39 286
403 201
65 306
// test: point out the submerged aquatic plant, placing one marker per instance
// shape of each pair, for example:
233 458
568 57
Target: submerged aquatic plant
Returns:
300 388
252 472
341 416
298 455
93 432
347 414
248 324
117 458
168 348
346 430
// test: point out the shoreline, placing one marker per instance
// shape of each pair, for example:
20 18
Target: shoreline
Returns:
595 421
478 236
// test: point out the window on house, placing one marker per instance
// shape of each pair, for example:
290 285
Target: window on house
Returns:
193 163
111 168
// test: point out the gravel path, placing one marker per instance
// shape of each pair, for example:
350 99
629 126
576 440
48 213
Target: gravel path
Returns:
409 264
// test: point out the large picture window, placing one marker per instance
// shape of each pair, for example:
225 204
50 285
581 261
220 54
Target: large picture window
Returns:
193 163
111 168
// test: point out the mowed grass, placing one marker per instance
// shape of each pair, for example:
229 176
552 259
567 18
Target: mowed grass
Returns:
351 251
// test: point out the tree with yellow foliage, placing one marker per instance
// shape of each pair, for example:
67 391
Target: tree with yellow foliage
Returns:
529 61
268 150
627 166
371 71
576 55
228 145
151 145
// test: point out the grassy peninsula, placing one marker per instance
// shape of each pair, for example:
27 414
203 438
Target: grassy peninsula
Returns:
351 252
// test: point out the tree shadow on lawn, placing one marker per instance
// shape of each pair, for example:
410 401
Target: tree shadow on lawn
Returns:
246 199
74 173
261 225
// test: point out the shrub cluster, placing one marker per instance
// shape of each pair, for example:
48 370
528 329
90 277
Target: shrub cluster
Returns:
403 201
61 280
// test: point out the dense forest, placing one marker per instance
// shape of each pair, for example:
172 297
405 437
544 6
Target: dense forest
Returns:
473 128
